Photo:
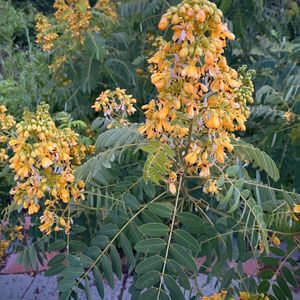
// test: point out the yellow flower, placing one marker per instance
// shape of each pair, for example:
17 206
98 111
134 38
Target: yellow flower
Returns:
191 158
297 208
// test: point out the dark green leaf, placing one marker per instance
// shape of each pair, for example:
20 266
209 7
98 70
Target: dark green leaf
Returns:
288 275
190 219
173 288
107 270
56 259
186 240
151 263
154 229
78 246
55 269
278 292
160 210
66 284
72 272
147 280
263 287
150 245
174 268
183 257
285 288
116 261
127 249
58 245
100 241
98 281
131 201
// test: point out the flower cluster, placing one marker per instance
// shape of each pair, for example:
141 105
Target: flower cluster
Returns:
116 105
7 122
43 162
73 20
201 100
8 235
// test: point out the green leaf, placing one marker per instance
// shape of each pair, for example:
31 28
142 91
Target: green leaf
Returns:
98 281
288 275
160 210
278 292
285 288
109 230
65 284
183 257
154 229
229 248
267 274
77 246
158 159
248 152
232 170
72 272
116 261
277 251
224 201
100 241
58 245
86 261
151 263
190 219
227 279
127 249
152 293
78 229
131 201
93 252
173 287
150 245
107 270
147 280
263 287
119 136
55 269
56 259
186 240
174 268
270 261
87 289
33 257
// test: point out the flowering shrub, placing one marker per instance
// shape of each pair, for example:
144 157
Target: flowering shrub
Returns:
173 197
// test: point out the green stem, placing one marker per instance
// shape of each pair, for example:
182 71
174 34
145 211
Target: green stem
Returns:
170 238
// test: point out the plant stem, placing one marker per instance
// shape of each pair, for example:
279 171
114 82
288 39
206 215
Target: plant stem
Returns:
170 238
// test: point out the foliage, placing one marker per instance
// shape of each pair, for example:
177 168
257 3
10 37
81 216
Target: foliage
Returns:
164 188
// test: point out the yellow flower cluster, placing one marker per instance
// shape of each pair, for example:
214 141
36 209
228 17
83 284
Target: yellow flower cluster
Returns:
105 6
7 122
43 162
45 36
9 234
73 18
115 104
201 100
4 244
218 296
243 296
75 15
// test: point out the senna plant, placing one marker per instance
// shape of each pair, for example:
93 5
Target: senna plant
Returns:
167 200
